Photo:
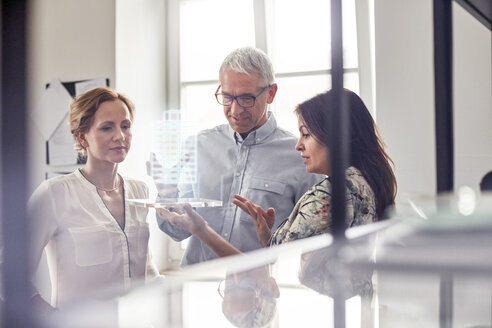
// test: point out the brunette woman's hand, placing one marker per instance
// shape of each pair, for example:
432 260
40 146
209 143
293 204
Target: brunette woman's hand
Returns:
262 219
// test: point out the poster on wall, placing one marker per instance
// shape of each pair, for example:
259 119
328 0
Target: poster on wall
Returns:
51 117
52 108
60 147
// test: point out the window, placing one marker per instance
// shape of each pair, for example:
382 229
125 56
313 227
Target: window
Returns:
296 37
204 42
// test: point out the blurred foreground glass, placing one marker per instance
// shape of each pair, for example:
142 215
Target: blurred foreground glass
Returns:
388 273
463 209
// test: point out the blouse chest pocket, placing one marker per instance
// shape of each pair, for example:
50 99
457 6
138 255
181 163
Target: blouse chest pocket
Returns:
92 245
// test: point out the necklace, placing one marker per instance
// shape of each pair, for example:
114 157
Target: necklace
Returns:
103 189
109 190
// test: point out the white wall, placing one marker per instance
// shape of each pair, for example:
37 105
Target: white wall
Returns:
140 73
405 90
69 40
140 70
472 98
405 93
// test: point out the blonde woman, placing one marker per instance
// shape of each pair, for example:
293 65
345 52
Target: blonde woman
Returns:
93 238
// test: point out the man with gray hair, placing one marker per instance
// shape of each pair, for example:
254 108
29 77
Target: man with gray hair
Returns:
251 156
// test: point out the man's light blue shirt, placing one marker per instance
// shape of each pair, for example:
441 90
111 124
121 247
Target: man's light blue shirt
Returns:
264 167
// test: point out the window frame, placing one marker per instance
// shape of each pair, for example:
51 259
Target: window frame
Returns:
365 46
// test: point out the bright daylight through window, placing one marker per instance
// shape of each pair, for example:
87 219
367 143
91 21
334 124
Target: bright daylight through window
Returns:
296 38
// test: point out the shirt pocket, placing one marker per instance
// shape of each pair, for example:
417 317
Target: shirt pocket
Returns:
265 192
267 185
92 245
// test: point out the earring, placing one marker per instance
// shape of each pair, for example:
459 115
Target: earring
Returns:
82 141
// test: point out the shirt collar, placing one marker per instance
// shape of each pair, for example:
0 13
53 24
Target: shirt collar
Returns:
256 136
87 184
84 180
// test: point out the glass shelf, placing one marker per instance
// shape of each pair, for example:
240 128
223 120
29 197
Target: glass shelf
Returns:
175 202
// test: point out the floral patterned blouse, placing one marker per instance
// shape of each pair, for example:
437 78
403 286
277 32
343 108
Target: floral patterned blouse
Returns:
312 215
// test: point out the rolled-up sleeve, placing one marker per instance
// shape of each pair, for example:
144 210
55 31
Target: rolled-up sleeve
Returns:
174 232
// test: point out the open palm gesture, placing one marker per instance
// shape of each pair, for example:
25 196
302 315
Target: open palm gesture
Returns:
262 219
184 217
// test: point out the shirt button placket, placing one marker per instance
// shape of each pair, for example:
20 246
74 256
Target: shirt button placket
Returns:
231 212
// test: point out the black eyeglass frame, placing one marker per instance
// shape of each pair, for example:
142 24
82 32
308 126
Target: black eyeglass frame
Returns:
237 98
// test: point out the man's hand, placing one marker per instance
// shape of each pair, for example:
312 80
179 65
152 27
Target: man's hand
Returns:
263 220
184 217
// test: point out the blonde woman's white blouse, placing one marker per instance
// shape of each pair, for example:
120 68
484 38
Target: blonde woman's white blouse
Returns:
87 250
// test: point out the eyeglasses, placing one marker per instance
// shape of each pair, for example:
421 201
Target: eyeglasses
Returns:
245 101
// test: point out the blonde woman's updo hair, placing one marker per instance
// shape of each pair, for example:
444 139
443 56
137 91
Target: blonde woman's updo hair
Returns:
85 106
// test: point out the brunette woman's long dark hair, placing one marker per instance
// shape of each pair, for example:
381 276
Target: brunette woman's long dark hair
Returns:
367 152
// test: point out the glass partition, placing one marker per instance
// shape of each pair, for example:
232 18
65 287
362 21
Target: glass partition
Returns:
407 271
